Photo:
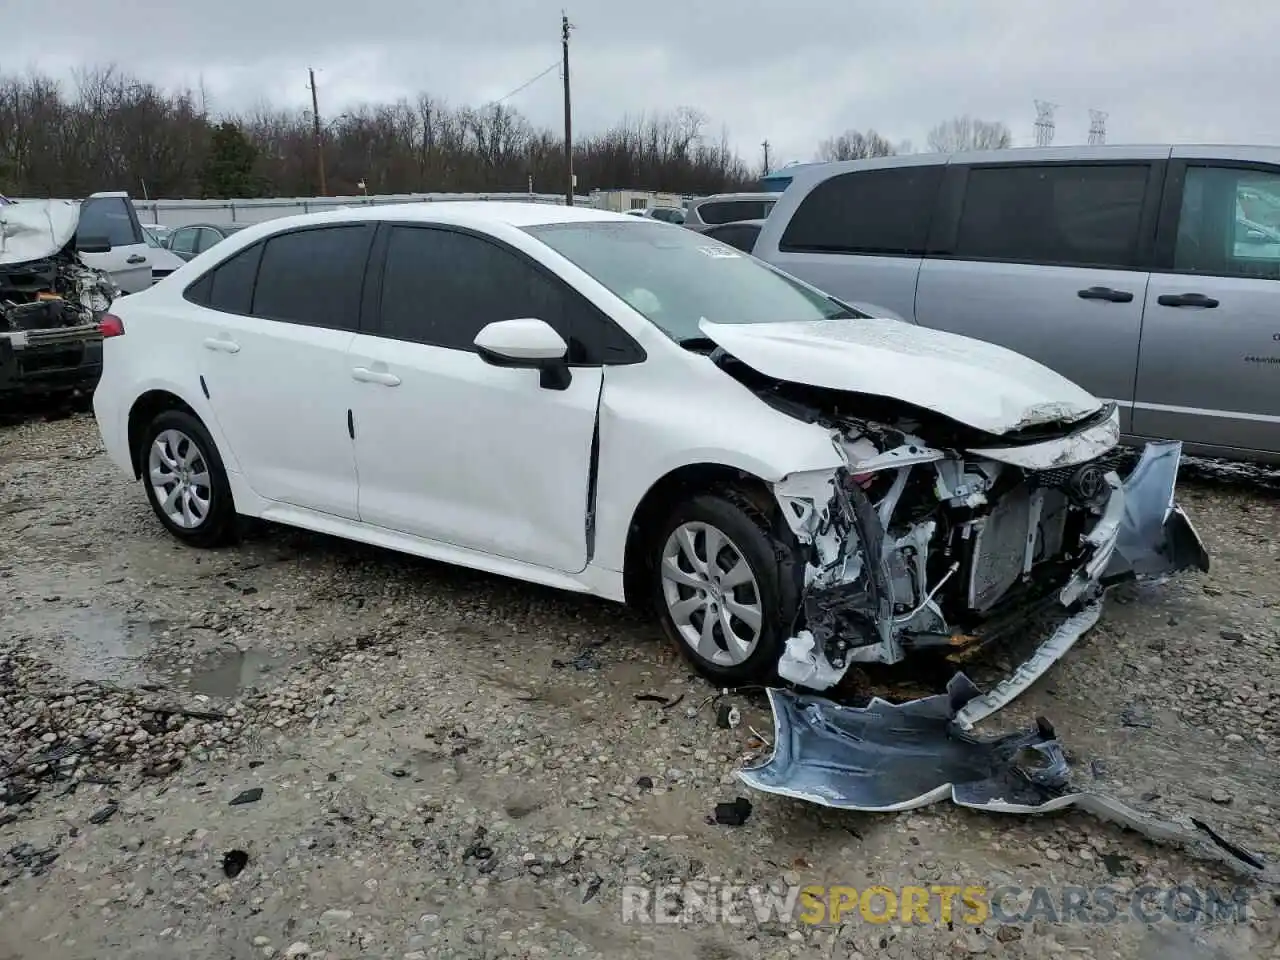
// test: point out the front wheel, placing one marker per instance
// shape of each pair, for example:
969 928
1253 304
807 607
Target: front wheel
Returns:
727 587
185 480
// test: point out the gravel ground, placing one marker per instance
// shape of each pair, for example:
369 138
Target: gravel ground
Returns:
456 765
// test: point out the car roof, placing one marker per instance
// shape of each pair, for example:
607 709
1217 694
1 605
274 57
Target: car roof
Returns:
480 214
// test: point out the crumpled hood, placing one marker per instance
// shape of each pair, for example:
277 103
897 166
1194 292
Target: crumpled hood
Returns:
970 381
35 229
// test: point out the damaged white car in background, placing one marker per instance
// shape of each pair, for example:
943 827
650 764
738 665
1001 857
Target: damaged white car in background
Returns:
623 407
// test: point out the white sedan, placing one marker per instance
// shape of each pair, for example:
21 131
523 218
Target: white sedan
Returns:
621 407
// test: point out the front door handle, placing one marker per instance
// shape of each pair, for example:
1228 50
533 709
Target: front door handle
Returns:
136 258
365 375
221 344
1186 300
1105 293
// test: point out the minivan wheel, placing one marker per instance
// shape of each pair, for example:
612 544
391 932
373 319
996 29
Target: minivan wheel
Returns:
185 480
726 587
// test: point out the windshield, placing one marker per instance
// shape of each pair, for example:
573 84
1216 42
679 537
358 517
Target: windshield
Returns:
677 277
151 238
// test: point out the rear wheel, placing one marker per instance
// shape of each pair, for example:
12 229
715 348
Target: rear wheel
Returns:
185 480
727 586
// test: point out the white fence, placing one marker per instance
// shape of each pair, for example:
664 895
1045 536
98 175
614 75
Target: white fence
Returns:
177 213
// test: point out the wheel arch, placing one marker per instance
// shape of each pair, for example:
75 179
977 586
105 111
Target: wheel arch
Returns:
674 486
146 408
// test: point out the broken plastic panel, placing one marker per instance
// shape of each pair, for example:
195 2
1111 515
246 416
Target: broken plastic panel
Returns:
887 757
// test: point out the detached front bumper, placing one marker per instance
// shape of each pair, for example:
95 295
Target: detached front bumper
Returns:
1142 534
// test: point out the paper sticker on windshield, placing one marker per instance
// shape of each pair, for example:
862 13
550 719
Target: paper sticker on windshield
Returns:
720 253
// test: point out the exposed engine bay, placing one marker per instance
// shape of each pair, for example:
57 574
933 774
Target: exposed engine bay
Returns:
939 536
57 291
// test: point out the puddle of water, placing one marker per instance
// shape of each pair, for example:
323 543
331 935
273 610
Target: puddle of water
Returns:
228 673
87 643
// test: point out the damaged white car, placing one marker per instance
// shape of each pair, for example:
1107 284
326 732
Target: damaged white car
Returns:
626 408
51 303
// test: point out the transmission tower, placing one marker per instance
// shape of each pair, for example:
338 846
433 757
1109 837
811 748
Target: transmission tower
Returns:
1097 127
1044 122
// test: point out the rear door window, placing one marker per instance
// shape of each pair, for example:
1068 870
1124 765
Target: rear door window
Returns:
1087 215
884 212
314 276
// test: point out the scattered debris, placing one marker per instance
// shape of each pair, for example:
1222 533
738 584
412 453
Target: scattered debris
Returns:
728 716
252 795
233 862
667 704
644 783
105 814
586 660
888 757
733 814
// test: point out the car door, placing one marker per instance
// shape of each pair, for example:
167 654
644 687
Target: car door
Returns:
273 345
1209 368
859 235
449 447
111 217
1049 259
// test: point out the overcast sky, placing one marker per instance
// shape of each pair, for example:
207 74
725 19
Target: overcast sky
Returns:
793 71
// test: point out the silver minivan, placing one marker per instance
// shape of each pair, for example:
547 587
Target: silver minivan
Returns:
1150 275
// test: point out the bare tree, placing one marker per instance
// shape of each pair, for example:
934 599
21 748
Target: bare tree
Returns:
969 133
855 145
115 131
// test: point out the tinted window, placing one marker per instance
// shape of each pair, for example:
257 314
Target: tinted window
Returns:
867 211
314 276
740 235
1230 223
1054 214
108 217
726 211
442 287
675 277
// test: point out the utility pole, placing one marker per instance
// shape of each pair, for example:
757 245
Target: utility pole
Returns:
315 117
568 112
765 147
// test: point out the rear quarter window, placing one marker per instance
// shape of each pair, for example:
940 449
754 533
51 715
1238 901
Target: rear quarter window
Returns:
885 211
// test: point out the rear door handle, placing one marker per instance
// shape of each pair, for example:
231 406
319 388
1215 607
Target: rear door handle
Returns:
1105 293
365 375
1186 300
221 344
136 258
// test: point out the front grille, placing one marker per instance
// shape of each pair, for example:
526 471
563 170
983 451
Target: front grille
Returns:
1060 478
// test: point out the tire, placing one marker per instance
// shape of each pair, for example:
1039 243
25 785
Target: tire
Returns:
770 554
209 517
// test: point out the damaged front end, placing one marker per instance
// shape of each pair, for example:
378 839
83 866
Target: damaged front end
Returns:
50 304
953 543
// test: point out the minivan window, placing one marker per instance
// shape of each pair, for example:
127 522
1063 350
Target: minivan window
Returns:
677 277
314 276
886 211
1230 223
1085 215
727 211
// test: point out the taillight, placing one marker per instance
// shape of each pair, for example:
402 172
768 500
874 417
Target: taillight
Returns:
111 326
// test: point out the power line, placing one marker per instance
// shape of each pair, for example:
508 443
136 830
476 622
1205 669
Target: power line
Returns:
528 83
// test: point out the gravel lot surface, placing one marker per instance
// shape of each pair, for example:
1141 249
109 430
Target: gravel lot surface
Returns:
456 765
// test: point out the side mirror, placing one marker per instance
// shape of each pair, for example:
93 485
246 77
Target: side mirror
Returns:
93 245
526 343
